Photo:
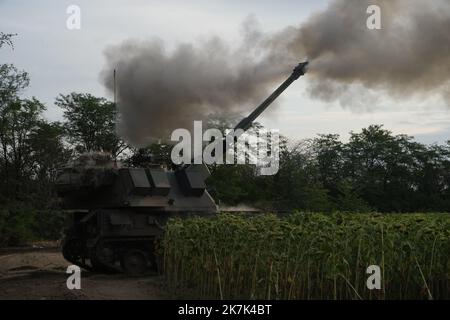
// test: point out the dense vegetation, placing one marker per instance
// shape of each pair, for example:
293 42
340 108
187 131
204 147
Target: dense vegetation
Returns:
33 148
374 170
309 256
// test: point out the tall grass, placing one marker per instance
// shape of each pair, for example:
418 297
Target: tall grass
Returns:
309 256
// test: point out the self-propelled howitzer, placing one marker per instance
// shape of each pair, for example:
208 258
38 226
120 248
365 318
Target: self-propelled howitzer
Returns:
117 213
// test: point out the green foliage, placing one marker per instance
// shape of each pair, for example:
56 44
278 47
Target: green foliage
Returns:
5 38
21 223
47 150
158 153
31 150
235 183
49 224
309 256
374 170
16 223
90 123
12 82
348 200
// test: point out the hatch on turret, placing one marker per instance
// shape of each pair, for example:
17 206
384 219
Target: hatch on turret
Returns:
145 182
159 181
192 179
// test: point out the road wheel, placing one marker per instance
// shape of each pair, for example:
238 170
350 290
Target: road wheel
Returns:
102 259
71 251
134 262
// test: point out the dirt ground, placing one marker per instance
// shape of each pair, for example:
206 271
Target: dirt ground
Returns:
40 273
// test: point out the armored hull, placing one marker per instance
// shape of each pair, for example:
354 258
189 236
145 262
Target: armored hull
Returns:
116 215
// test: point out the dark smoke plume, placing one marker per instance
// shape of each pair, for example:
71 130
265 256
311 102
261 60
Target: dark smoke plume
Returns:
160 90
410 55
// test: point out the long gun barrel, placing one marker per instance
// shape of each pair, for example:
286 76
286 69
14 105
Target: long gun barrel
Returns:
247 122
194 180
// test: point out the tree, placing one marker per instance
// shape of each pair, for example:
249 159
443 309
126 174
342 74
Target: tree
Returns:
47 154
90 123
368 162
328 153
30 151
6 38
297 184
12 82
31 148
18 120
157 153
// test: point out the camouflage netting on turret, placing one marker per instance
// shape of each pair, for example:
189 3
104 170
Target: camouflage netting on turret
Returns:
95 159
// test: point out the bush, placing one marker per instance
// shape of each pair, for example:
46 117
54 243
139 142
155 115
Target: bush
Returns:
16 221
20 224
49 224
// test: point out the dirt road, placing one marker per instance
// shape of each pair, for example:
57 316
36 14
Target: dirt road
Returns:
41 274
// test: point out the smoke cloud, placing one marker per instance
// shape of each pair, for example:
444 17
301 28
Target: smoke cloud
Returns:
159 90
410 55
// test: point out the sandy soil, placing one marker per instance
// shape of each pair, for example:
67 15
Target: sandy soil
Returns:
40 273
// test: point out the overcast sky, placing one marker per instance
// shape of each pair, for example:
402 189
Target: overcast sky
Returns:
61 60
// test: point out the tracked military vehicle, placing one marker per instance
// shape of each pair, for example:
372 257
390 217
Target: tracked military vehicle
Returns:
118 213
